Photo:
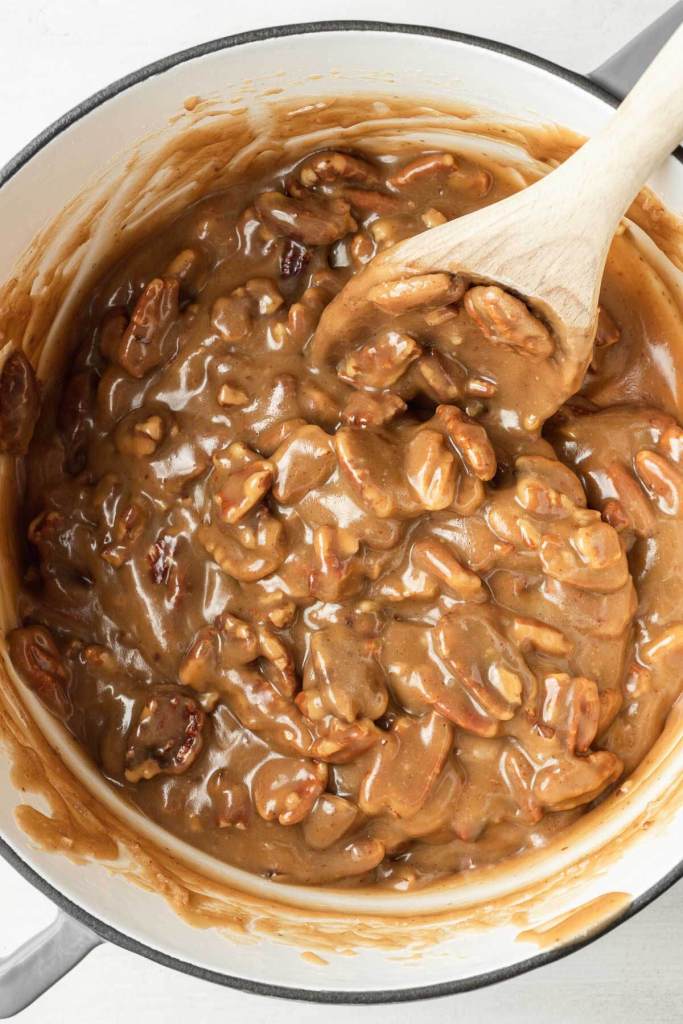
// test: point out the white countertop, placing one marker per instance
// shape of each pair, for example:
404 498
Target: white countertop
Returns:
53 53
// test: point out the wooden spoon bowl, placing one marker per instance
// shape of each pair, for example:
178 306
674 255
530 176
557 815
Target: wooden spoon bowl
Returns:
546 245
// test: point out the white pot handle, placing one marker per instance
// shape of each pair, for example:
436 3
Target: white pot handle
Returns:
40 962
621 72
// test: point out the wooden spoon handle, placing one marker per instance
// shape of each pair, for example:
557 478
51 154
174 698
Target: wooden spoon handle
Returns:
611 167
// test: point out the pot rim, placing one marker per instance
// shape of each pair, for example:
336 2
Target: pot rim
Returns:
88 920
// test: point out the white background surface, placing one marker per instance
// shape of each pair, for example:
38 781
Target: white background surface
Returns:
52 55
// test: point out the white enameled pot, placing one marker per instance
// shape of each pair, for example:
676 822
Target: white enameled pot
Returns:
346 58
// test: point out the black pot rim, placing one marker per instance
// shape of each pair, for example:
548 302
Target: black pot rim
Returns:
100 928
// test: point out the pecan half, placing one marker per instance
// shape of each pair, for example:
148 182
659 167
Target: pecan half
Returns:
439 315
228 643
387 231
262 707
230 800
506 320
588 557
369 202
406 765
423 291
291 335
167 736
335 573
565 784
662 480
184 265
339 742
329 167
141 348
330 818
430 469
130 519
381 362
249 550
614 513
354 859
369 463
312 220
286 788
110 331
38 661
368 410
529 632
671 442
571 707
243 489
547 488
411 672
342 673
243 480
317 405
634 506
276 662
517 773
435 558
492 680
443 381
19 403
471 440
429 166
610 706
303 462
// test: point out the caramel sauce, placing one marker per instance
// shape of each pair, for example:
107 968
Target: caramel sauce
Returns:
640 370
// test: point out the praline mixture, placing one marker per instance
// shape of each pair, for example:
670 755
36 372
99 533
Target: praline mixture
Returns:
349 617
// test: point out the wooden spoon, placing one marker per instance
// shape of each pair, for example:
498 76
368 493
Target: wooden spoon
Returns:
547 244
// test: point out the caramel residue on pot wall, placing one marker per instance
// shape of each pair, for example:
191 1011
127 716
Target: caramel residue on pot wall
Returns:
218 147
580 923
72 825
313 958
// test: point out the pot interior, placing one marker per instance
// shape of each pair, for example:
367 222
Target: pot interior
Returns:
133 160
